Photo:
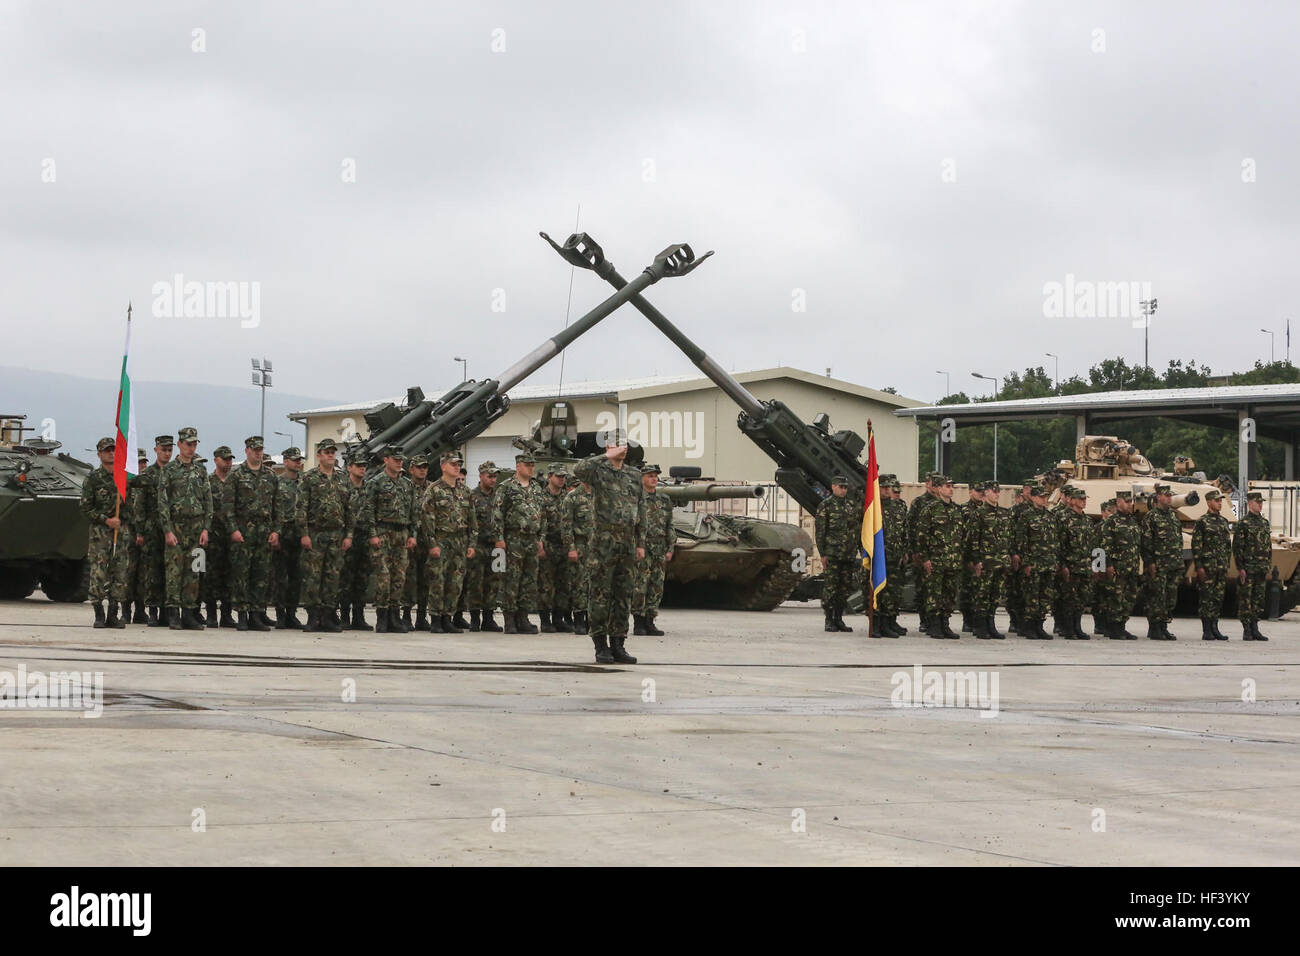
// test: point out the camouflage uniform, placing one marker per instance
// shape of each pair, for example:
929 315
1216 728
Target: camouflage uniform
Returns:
323 514
251 513
518 516
893 513
152 576
580 518
970 511
1036 539
838 532
416 590
988 544
286 567
618 529
1211 553
939 540
1077 539
355 577
1015 587
1162 553
391 508
482 584
216 579
136 589
1120 539
449 523
109 561
185 510
1252 549
660 539
913 512
554 584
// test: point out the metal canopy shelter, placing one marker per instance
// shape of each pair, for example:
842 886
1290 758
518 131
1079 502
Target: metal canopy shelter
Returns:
1274 410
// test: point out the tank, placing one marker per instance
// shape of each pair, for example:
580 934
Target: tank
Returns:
43 535
724 560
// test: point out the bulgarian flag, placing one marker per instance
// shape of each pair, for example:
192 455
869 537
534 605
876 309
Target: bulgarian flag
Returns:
873 525
125 441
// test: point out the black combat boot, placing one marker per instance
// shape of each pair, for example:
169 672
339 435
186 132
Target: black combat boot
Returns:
966 626
190 620
488 624
991 626
899 630
946 631
1153 630
460 622
448 625
328 623
512 622
1207 630
211 619
979 627
113 620
241 623
313 620
99 614
1099 626
1164 629
359 622
381 620
258 621
617 651
140 616
839 619
650 627
1218 634
830 620
396 622
563 621
475 622
156 617
1079 632
545 618
281 619
525 626
434 624
1115 631
579 622
421 618
1247 633
406 620
1254 629
291 618
173 618
603 656
226 619
638 625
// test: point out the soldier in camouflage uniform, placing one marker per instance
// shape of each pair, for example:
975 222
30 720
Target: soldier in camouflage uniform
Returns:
893 514
518 518
1077 539
1162 555
1120 539
394 515
325 519
1034 557
617 543
930 496
215 588
483 584
939 541
580 517
286 559
1252 549
107 552
660 540
355 576
1098 619
450 525
970 515
252 521
185 513
135 584
149 535
1015 587
838 531
553 576
416 592
1211 554
988 545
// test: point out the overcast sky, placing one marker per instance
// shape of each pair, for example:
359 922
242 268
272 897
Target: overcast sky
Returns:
914 172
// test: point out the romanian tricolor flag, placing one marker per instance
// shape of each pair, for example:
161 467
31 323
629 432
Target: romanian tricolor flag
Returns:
125 441
873 525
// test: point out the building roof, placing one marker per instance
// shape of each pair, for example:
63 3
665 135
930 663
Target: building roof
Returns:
625 389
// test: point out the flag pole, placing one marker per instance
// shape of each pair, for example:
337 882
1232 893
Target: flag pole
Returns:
870 592
117 421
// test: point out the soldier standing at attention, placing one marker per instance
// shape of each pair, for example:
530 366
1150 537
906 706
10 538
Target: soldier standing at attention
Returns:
939 542
1120 539
893 514
325 519
553 583
518 518
149 534
450 527
1162 555
416 592
617 543
354 579
1076 544
216 580
580 517
1034 556
930 496
1015 582
391 507
252 536
135 590
986 557
970 516
286 571
1211 552
107 552
185 512
1098 616
660 539
1252 548
838 531
482 584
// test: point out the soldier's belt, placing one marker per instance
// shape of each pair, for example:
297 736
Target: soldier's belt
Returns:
615 526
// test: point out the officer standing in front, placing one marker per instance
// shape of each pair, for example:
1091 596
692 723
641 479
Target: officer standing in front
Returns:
392 509
1162 555
185 513
1252 549
325 520
660 540
107 553
838 531
1211 553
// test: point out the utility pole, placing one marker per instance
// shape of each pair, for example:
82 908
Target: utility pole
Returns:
262 379
1269 333
1056 379
1148 310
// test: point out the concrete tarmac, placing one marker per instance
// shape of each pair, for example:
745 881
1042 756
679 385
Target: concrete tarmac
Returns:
741 738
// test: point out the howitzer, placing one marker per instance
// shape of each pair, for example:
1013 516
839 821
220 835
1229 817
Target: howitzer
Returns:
680 494
431 426
807 455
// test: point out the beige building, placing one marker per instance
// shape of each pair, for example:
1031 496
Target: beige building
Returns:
685 420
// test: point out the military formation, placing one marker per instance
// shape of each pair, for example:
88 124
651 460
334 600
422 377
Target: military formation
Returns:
1039 561
585 552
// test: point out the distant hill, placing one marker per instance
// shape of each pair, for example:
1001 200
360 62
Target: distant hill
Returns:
82 410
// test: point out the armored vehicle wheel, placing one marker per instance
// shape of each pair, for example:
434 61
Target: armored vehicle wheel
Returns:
16 584
66 582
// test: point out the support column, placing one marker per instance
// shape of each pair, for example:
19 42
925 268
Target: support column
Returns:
1288 457
1081 426
1245 453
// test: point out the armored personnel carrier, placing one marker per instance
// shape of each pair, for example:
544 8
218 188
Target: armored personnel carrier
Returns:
43 535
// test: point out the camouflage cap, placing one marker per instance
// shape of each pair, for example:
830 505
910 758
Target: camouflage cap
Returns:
840 480
560 470
651 470
453 456
418 461
524 458
934 476
487 466
1214 494
105 444
325 444
886 479
163 441
1107 504
187 434
1077 493
1029 483
141 454
395 451
253 441
1123 496
992 486
896 484
1254 496
222 451
1037 490
943 480
292 453
1162 489
358 457
978 486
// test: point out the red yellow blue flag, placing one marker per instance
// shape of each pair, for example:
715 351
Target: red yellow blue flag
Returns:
873 526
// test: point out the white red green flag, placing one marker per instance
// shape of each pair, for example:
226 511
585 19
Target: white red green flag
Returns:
125 441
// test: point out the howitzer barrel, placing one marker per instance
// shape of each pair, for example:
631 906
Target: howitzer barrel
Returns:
712 492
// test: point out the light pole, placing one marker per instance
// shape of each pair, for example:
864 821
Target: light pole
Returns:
997 389
262 379
1056 379
1270 345
1148 310
464 369
947 382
